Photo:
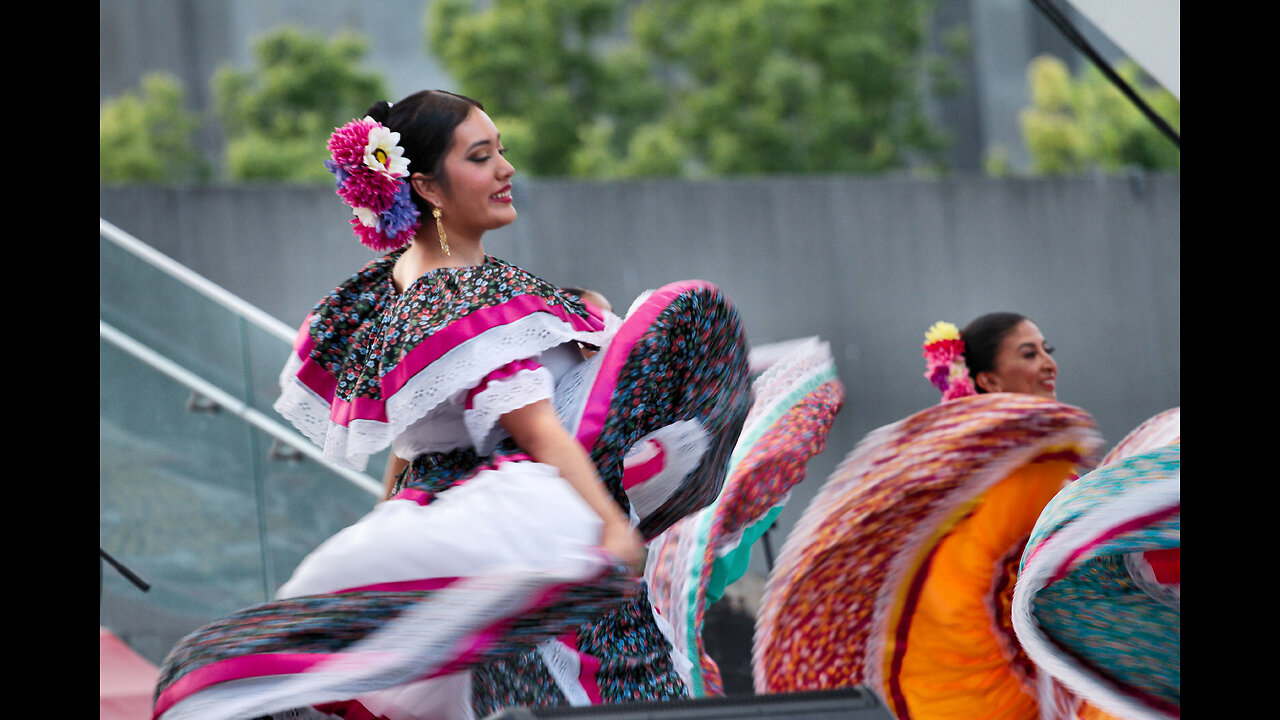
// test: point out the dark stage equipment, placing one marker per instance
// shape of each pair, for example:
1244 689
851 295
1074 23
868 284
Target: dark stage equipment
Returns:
852 703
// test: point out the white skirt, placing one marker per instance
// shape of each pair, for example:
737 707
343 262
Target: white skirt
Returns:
520 516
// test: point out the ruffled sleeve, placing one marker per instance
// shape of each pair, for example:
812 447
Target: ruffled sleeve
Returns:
508 388
371 362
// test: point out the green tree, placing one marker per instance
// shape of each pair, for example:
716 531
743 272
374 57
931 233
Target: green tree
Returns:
539 63
715 87
1085 122
147 136
278 116
795 86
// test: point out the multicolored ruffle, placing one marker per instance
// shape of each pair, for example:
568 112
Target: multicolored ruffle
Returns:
1097 603
369 361
899 575
689 566
679 359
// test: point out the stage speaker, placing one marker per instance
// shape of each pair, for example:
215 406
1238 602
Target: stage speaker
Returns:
852 703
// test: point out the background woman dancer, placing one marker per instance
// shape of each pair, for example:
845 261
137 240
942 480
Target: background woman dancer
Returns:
900 573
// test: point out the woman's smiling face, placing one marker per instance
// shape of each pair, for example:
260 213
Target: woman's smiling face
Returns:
476 193
1023 364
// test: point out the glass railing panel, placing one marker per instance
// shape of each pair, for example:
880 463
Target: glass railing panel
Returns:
303 504
166 315
177 505
264 356
210 510
205 492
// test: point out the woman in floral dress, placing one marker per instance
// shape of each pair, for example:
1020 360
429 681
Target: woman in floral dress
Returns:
900 573
501 567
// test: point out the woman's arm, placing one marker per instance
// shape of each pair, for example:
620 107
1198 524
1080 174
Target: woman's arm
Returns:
395 465
537 430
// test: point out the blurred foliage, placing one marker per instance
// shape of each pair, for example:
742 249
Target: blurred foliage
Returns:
1082 123
617 88
148 136
278 116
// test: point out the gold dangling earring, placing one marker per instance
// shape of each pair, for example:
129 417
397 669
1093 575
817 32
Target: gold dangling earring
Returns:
444 239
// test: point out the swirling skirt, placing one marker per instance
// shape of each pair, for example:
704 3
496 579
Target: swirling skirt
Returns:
899 574
1097 605
797 396
484 563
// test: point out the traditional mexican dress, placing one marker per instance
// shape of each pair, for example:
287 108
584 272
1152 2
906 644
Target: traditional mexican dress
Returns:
689 566
899 575
480 584
1098 601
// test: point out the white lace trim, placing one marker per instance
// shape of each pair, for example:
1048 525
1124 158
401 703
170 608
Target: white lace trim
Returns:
460 369
500 397
297 403
675 588
572 390
682 665
683 443
790 365
565 667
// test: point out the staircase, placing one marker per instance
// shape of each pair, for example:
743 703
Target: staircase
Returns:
205 494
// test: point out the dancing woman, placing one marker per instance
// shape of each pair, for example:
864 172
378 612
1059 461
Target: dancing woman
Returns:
501 567
900 573
998 352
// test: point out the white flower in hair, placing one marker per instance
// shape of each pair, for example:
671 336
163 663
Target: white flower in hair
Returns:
384 154
367 217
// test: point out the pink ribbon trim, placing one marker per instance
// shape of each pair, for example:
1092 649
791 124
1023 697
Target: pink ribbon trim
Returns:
506 371
314 376
596 409
270 664
1135 524
642 471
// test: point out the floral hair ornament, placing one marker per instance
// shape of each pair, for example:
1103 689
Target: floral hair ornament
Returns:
944 357
372 174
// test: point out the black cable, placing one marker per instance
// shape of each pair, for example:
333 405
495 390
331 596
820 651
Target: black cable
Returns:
123 571
1082 44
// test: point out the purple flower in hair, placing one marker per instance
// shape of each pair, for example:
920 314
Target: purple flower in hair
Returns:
402 216
371 178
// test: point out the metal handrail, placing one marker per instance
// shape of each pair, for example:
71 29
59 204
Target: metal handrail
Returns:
197 384
195 281
230 403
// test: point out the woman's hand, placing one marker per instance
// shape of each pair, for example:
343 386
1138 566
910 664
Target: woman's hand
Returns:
395 466
624 542
537 430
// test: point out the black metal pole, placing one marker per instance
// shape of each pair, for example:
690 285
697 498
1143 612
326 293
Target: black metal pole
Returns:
142 585
1064 25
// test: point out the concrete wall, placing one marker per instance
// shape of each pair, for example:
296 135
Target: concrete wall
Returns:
867 264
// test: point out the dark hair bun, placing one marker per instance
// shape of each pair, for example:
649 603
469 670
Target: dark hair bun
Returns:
379 111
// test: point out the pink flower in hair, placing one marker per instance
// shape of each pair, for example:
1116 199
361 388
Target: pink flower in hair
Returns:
371 172
347 143
944 358
370 190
